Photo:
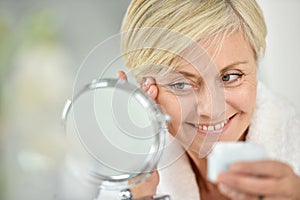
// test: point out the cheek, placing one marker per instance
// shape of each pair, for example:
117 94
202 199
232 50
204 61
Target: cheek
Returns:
171 106
242 99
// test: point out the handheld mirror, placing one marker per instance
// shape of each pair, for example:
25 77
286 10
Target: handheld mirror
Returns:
116 133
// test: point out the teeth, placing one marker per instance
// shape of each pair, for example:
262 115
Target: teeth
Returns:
218 126
212 128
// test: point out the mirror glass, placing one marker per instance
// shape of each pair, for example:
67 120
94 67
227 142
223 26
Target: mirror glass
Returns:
115 133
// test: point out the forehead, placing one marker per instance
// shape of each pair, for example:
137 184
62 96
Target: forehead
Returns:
233 49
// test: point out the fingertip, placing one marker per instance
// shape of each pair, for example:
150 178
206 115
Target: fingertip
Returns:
121 75
221 177
152 91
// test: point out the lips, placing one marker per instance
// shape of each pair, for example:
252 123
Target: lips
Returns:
211 128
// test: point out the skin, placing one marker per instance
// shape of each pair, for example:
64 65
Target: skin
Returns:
273 179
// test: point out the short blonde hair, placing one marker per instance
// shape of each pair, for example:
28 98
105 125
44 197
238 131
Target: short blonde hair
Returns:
198 20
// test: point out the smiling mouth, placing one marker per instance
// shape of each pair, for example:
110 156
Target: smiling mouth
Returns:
212 128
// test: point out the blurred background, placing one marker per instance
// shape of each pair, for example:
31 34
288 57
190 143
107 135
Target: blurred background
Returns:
42 45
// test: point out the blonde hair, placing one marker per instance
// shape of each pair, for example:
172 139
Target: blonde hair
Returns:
149 29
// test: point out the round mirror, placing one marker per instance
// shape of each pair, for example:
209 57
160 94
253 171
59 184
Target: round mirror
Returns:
115 133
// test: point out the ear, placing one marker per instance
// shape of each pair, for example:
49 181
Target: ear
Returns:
152 91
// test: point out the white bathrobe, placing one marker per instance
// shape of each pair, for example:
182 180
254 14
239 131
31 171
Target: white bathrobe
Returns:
275 124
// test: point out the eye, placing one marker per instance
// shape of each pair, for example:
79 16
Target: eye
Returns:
181 86
232 79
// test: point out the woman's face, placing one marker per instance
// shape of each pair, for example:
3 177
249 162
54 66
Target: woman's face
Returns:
197 113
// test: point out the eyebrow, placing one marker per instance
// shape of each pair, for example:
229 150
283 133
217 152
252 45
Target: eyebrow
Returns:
233 65
187 74
190 75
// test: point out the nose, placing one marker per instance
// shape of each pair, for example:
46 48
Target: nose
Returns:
211 102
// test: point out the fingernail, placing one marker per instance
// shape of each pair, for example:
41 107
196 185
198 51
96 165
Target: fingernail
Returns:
146 82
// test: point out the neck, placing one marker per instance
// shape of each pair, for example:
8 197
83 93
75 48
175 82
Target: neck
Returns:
200 168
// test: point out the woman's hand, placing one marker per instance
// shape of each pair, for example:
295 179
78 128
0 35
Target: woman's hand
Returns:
147 187
148 86
260 180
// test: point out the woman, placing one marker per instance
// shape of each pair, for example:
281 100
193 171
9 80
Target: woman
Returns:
198 60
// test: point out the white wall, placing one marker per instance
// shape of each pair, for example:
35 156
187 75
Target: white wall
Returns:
280 69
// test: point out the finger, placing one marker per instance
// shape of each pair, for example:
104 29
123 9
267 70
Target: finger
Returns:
149 86
253 185
270 168
234 194
122 75
147 187
147 82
